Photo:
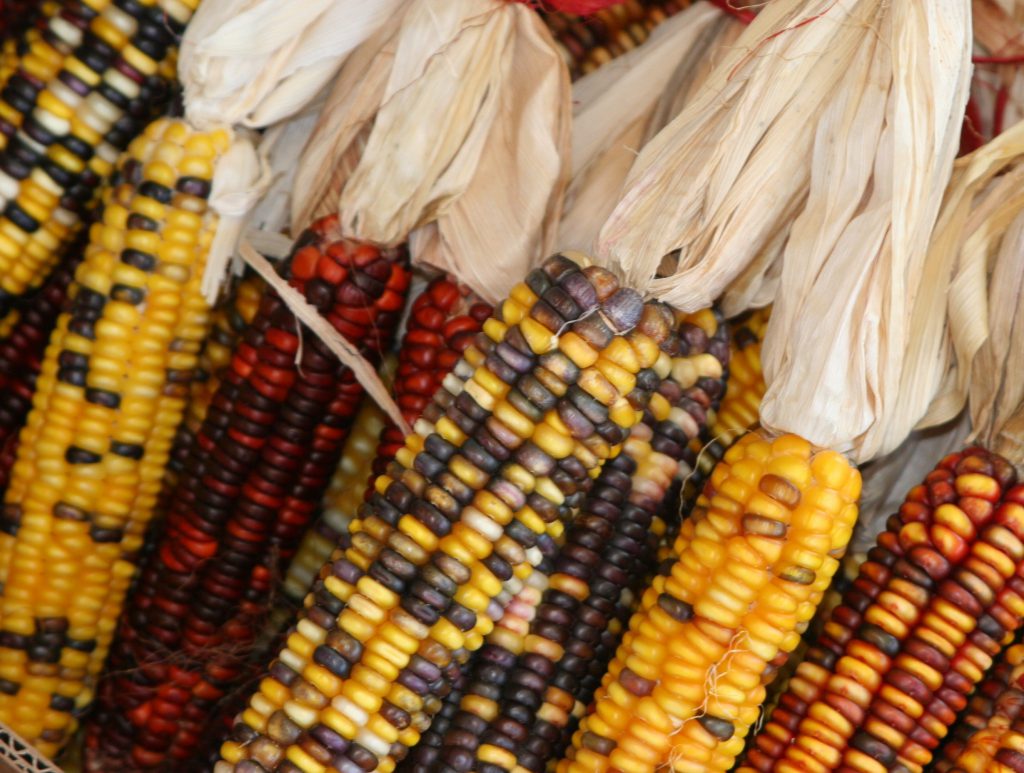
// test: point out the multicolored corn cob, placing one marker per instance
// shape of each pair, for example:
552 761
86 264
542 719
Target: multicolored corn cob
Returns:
254 477
15 15
532 678
994 708
755 557
550 391
112 390
587 43
22 345
936 600
87 78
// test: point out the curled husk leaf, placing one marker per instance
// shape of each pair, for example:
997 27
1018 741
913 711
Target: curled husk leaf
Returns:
812 163
618 106
452 126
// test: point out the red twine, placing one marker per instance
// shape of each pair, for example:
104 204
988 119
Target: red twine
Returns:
576 7
744 15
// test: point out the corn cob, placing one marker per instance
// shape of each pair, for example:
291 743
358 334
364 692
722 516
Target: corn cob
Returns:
992 711
754 559
587 43
740 409
345 494
534 677
421 576
885 648
110 394
87 78
22 345
253 479
438 333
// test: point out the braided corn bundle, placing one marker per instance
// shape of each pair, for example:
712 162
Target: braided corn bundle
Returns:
533 678
898 656
588 42
754 559
112 390
993 709
553 391
22 346
88 77
254 477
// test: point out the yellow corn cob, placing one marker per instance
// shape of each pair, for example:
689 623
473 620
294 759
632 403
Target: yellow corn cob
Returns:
78 88
110 396
754 560
745 388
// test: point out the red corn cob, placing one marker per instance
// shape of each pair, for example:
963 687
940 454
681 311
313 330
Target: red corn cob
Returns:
897 643
256 473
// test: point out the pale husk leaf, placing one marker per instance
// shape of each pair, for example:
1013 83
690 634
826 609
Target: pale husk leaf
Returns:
485 79
716 181
255 62
840 370
615 108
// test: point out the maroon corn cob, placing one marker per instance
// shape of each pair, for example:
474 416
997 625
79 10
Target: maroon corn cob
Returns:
254 477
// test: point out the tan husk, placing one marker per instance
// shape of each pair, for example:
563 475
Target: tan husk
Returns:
256 62
455 120
617 107
846 114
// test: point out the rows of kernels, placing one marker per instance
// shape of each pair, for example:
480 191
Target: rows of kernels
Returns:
253 479
443 322
741 405
890 596
974 614
444 559
557 473
88 78
110 395
347 491
587 43
992 710
14 16
22 346
548 680
749 563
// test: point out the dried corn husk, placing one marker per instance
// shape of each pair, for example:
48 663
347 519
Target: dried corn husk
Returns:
256 62
253 63
847 114
618 106
452 126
